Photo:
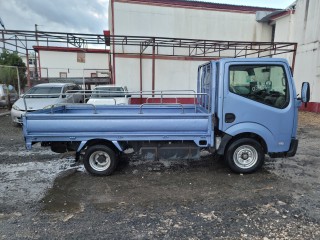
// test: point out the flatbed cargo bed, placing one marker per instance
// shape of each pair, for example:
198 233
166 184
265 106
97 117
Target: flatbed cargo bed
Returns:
146 122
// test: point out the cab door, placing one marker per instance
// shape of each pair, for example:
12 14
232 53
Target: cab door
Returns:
259 98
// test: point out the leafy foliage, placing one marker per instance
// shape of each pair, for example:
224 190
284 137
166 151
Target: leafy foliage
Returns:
9 75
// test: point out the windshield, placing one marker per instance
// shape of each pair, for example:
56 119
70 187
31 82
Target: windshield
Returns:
107 92
51 91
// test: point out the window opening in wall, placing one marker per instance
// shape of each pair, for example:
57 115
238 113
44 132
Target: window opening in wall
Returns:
273 32
63 75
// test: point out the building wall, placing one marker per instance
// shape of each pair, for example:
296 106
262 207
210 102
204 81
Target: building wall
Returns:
307 34
55 62
302 27
175 22
170 74
165 21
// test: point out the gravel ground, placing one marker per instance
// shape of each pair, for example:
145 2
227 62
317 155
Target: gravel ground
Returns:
4 110
43 195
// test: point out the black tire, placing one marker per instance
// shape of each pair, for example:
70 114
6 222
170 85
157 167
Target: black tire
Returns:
100 160
245 155
17 125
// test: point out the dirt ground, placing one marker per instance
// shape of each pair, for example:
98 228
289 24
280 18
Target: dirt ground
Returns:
44 195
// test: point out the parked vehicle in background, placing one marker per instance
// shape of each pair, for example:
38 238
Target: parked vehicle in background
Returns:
109 95
36 98
13 95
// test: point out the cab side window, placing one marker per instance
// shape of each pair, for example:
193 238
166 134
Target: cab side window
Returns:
266 84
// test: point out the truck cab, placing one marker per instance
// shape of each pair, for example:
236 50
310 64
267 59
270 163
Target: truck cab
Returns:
255 105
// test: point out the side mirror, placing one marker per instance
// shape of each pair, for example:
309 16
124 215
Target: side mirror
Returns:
305 92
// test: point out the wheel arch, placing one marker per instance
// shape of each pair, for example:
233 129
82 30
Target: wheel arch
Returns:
256 131
250 135
114 145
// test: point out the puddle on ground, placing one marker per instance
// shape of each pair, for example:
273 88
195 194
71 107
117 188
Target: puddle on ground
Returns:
142 187
28 182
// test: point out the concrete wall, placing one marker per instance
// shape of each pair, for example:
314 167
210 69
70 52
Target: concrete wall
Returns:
284 32
165 21
303 27
170 74
307 34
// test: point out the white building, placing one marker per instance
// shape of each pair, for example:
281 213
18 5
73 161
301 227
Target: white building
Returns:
201 20
177 19
57 64
301 24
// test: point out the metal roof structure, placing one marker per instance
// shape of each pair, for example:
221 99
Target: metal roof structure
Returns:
23 41
143 46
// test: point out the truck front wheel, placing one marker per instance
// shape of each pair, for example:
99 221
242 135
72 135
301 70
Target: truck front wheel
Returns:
245 155
100 160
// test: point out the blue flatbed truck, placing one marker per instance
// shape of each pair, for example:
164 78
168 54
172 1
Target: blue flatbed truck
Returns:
244 108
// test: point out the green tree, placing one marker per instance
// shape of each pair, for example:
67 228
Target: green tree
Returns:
9 75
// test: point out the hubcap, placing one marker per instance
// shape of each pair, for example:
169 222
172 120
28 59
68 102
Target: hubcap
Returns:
100 161
245 156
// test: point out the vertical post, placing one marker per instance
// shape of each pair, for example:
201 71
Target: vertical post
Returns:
39 75
19 91
141 78
294 57
4 42
110 67
113 44
153 65
28 69
35 53
16 39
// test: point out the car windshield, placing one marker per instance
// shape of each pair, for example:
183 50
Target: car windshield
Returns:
107 92
51 91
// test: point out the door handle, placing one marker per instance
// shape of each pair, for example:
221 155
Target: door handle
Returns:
229 118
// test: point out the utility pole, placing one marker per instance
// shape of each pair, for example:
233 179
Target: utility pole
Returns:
4 43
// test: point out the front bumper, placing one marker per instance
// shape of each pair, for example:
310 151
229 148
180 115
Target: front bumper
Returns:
293 148
290 153
16 116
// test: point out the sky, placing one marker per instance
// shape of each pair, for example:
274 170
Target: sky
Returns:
80 16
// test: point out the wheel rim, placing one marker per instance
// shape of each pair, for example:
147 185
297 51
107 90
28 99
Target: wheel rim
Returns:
245 156
100 161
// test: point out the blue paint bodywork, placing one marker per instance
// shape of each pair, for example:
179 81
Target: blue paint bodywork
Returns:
165 122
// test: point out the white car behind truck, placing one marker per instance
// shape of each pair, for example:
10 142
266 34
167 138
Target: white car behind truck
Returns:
109 95
44 95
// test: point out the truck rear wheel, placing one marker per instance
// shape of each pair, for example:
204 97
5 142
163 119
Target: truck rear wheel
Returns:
100 160
245 155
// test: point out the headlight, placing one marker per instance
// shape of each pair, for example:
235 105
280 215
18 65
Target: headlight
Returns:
15 107
47 107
